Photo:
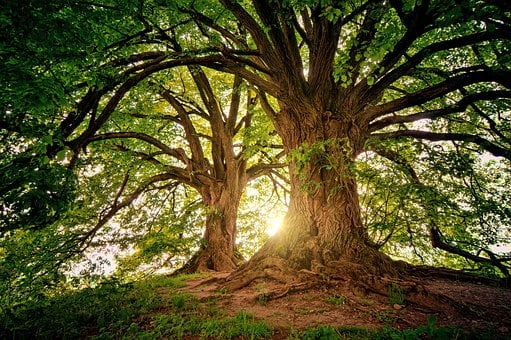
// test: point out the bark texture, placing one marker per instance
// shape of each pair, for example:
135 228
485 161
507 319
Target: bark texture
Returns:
322 234
218 250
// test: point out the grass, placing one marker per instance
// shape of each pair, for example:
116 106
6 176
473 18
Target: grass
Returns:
428 331
155 309
335 300
396 295
138 310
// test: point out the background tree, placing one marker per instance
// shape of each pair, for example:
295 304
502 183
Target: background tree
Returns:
186 136
92 105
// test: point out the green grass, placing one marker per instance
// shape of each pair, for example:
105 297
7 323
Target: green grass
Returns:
335 300
396 295
428 331
155 309
132 311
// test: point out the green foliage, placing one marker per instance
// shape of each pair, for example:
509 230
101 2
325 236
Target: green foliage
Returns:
331 155
242 324
57 57
396 294
323 332
114 309
35 192
335 300
328 154
108 309
459 193
429 331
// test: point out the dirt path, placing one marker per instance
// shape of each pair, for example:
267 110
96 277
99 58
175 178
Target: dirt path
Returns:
475 307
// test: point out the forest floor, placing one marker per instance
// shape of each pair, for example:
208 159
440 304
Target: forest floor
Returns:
476 308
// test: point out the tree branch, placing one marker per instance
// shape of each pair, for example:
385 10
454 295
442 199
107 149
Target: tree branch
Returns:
179 153
417 58
87 238
432 114
436 91
259 170
437 240
185 121
491 147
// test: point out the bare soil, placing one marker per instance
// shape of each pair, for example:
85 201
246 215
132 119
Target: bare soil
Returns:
477 308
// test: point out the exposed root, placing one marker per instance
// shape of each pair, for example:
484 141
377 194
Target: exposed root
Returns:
455 275
395 276
291 289
204 261
271 267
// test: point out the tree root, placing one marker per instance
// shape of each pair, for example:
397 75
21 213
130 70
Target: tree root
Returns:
201 262
411 285
455 275
290 289
268 268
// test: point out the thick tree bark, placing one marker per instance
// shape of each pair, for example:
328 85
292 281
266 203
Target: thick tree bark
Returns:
218 252
322 233
222 198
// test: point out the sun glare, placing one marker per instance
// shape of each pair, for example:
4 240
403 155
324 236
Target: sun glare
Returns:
273 224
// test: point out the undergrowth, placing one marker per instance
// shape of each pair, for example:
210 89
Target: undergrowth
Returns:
156 309
428 331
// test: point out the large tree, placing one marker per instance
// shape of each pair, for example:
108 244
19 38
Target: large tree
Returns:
337 79
354 76
198 133
179 125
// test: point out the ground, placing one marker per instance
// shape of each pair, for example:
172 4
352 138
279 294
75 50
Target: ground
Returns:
478 308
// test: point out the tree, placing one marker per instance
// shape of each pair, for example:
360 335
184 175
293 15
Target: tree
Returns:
187 137
211 146
355 76
336 80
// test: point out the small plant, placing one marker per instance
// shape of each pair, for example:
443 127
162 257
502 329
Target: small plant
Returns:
263 295
396 295
222 291
303 311
262 298
242 325
213 309
294 334
365 301
181 301
322 332
353 332
335 300
384 317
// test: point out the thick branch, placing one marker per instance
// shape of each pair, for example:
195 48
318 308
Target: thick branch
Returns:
190 133
251 25
417 58
131 82
494 149
432 114
176 153
438 90
438 242
234 107
259 170
142 155
201 18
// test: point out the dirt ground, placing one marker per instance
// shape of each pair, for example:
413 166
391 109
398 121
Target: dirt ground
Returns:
474 307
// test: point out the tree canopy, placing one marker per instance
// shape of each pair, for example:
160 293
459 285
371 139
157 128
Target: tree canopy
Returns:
394 117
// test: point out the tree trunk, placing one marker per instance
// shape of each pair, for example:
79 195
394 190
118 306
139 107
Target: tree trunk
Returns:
218 250
322 233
